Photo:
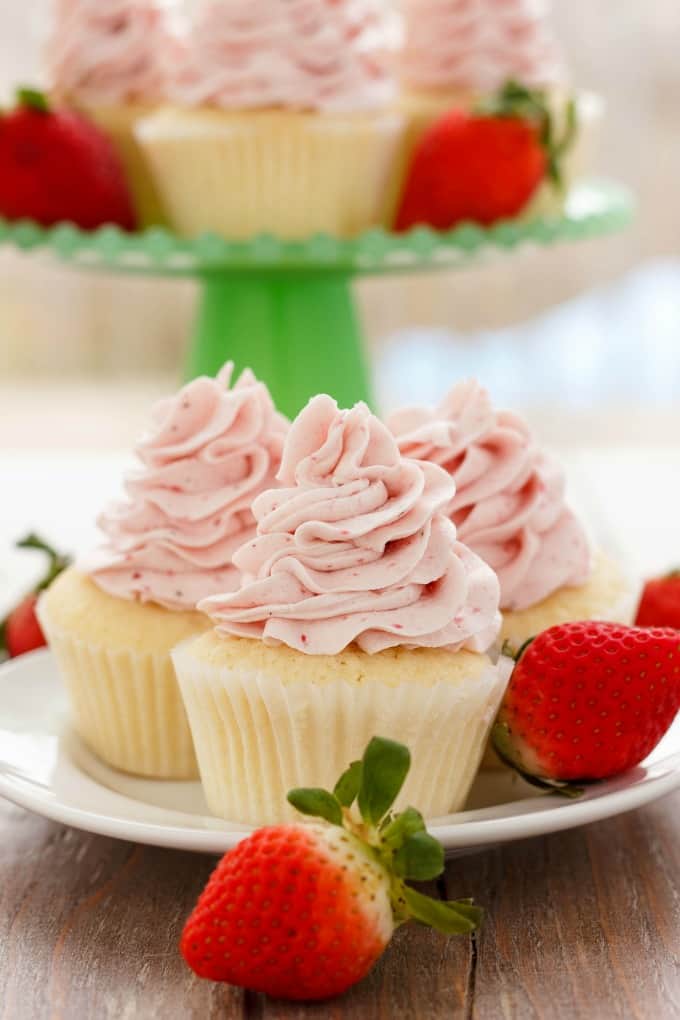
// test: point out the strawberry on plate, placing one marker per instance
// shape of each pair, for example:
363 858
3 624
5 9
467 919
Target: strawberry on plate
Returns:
587 701
485 165
20 632
303 911
57 166
660 602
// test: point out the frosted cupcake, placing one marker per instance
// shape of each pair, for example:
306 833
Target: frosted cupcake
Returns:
106 59
112 620
359 614
282 121
510 508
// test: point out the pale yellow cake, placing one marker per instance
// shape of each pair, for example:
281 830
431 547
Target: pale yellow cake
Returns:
114 659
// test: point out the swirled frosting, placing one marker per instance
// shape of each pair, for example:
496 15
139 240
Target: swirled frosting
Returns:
210 451
300 54
478 44
107 51
509 505
353 548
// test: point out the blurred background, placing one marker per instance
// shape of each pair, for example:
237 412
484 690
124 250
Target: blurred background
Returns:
584 337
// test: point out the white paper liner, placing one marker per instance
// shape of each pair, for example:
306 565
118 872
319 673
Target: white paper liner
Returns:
126 706
240 175
257 737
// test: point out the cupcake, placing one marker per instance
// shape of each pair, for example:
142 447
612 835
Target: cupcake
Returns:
510 508
106 59
282 121
458 52
112 620
359 613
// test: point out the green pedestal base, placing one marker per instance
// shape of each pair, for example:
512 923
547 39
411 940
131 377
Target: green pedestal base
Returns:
298 332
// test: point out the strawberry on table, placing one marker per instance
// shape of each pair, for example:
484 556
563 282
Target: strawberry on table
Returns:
20 632
587 701
660 602
303 911
487 164
57 166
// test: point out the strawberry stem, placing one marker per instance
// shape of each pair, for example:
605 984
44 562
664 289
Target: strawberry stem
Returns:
57 562
33 99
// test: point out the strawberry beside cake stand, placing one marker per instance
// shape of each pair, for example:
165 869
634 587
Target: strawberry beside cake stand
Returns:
285 308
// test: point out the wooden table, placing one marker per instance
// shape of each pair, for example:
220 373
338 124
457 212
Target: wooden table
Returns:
585 924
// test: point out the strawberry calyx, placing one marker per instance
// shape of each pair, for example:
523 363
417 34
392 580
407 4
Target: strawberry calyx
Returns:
400 843
517 755
57 562
33 99
516 100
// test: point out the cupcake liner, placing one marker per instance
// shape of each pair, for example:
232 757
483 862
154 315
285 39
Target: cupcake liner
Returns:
126 706
257 736
241 174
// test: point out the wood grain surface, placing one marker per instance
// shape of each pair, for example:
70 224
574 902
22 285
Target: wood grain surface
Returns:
584 925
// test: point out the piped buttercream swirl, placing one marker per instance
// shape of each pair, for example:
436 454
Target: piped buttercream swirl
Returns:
478 45
108 51
353 547
329 55
509 505
210 452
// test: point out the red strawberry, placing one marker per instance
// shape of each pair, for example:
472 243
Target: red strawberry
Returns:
303 911
587 701
486 165
660 603
20 632
57 166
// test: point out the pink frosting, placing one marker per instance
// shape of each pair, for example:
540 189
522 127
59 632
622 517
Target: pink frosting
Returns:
509 504
107 51
210 452
478 44
353 548
300 54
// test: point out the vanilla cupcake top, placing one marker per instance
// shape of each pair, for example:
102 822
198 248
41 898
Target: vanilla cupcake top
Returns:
354 548
327 55
478 45
210 451
107 51
509 504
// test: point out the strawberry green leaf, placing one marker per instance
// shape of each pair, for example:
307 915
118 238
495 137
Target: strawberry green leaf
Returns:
385 767
33 98
318 803
57 562
347 786
450 918
400 828
420 858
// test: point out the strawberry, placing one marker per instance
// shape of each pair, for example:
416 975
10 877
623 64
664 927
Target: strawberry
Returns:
55 165
20 632
660 602
487 164
587 701
303 911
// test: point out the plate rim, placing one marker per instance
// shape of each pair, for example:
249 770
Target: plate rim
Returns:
657 780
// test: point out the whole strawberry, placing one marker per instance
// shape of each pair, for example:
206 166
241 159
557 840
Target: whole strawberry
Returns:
56 166
20 632
587 701
486 165
660 602
303 911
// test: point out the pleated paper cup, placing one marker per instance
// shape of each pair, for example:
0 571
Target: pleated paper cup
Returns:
260 731
285 173
114 659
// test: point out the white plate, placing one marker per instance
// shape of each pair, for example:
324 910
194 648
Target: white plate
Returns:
46 769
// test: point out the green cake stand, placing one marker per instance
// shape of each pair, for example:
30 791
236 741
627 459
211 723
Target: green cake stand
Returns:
285 308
